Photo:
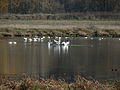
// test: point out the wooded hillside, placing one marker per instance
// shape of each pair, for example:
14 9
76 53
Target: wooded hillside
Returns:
58 6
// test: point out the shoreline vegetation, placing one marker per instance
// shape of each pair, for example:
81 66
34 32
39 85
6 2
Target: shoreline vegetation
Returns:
79 83
63 16
63 28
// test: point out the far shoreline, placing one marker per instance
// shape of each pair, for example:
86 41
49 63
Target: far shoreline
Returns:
73 32
62 28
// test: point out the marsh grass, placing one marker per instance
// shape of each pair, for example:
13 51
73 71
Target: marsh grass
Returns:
70 28
79 83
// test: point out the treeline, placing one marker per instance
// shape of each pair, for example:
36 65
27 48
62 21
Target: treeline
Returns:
58 6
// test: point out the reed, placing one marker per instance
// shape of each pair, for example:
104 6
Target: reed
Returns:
79 83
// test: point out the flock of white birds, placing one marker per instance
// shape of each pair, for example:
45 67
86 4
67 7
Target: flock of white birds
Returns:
56 41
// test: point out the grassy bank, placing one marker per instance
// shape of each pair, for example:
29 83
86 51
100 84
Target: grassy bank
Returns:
79 83
70 28
64 16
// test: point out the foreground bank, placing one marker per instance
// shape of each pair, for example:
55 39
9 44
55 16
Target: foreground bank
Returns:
80 83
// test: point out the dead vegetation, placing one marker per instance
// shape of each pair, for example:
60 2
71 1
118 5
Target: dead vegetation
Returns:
74 32
70 28
79 83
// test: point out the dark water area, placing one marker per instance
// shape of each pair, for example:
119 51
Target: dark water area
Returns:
91 57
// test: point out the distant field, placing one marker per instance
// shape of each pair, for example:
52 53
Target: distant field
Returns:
59 24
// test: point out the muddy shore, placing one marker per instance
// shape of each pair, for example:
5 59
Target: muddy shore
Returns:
74 32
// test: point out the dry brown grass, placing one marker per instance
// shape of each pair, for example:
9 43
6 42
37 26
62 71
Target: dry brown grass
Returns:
80 83
59 24
60 28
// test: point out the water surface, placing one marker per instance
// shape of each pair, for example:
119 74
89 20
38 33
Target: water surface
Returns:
99 59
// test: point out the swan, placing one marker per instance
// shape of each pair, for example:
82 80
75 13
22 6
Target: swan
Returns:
56 37
30 40
25 39
49 43
65 43
14 42
59 38
36 36
42 38
10 42
100 39
91 38
48 37
66 37
86 37
35 39
57 42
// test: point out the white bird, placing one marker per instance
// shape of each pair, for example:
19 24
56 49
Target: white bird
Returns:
36 36
42 38
57 42
25 39
100 39
10 42
59 38
65 43
86 37
91 38
49 43
35 39
66 37
30 40
14 42
48 37
56 37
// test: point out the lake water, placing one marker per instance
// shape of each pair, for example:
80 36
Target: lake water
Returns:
99 59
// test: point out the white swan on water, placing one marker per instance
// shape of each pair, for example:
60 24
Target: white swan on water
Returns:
35 39
12 42
49 43
65 43
30 39
48 37
25 39
57 42
66 37
100 39
86 37
42 38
